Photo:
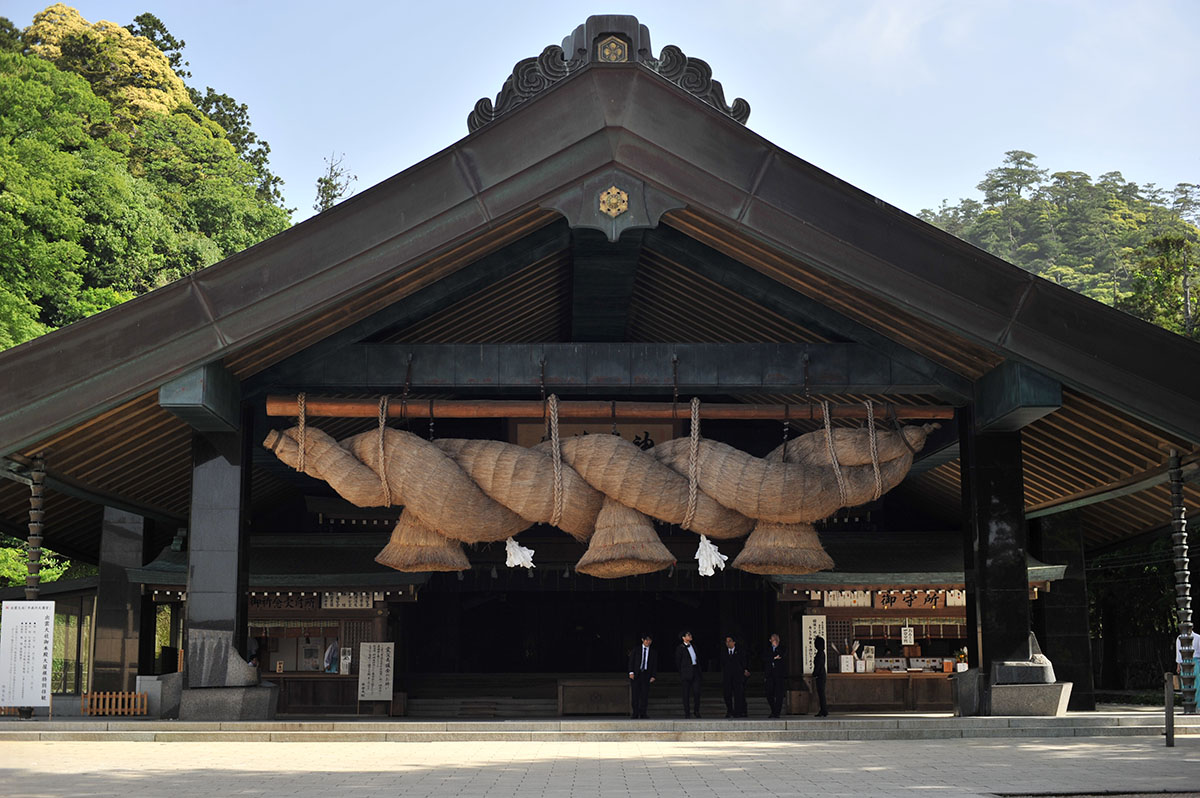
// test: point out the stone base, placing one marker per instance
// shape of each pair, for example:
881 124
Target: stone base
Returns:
1045 700
229 703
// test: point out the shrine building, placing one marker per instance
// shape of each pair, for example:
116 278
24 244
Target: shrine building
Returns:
607 330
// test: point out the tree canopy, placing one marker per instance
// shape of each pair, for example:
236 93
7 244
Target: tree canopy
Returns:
1127 245
112 179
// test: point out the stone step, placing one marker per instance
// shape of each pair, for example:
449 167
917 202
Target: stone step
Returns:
877 727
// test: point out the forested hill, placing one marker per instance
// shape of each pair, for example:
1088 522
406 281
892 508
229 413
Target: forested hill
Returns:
115 176
1134 247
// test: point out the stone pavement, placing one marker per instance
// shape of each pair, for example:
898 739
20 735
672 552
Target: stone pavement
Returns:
942 768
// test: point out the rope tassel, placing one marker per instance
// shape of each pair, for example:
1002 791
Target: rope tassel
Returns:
517 555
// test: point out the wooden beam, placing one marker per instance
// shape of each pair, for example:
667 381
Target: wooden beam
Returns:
15 467
762 290
611 367
1114 490
282 406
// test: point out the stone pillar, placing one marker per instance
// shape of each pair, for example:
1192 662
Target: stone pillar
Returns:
119 604
1060 616
217 566
995 529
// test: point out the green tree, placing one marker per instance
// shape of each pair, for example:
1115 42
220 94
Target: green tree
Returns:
151 27
334 184
1164 282
13 560
10 36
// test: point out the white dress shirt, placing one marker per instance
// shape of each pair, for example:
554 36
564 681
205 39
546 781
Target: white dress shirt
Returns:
1195 648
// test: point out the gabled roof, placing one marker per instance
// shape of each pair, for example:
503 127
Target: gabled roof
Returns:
686 166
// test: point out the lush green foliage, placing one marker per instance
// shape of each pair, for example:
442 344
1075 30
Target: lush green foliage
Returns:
13 561
1112 240
112 180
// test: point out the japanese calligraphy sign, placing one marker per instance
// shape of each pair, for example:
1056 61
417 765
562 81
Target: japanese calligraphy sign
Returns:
813 627
910 599
375 663
26 653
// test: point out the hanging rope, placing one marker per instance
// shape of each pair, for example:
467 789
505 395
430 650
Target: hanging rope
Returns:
693 458
556 458
894 420
387 489
837 469
301 428
874 448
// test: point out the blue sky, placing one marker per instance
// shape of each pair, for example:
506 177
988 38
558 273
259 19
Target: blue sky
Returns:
910 100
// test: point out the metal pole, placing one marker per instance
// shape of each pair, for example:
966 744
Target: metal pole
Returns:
1169 707
1183 585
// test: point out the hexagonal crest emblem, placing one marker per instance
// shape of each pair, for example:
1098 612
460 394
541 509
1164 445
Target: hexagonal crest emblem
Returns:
612 50
614 201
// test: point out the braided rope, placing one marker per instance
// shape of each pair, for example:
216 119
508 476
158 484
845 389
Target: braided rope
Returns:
837 469
300 412
693 470
387 489
874 448
556 457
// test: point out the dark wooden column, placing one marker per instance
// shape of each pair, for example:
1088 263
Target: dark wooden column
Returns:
1060 616
120 608
995 537
217 567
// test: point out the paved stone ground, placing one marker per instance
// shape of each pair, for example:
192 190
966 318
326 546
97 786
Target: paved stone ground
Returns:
942 768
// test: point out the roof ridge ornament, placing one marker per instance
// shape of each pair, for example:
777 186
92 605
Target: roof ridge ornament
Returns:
695 76
607 39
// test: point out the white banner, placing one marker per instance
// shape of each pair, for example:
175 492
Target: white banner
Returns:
375 671
26 653
812 626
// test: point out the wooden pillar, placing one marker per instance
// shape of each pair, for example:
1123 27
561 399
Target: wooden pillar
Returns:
217 562
120 609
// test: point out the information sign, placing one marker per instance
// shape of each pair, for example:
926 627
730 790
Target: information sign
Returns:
813 626
26 653
375 671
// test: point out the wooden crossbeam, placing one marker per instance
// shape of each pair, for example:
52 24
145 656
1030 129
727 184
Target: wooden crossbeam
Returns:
282 406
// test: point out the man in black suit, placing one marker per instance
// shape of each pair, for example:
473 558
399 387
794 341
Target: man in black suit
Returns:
820 675
734 672
688 663
643 667
775 667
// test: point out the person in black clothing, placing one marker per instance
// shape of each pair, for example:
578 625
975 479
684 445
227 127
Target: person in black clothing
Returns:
775 667
688 663
819 674
643 667
733 678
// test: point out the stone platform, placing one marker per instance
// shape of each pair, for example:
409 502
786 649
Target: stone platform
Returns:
1131 723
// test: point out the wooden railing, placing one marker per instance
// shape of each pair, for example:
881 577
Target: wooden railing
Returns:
113 703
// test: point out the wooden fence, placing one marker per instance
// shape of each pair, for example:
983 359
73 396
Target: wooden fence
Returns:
113 703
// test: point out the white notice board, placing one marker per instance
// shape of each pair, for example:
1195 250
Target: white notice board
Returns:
813 625
375 671
26 653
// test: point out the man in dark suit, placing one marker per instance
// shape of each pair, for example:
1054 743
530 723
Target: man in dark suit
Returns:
820 675
643 667
688 663
734 672
775 667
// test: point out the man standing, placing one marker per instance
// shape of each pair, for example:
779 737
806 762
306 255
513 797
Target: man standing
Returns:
733 678
642 670
775 667
689 674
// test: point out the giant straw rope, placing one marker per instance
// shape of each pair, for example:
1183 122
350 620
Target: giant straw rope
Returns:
604 489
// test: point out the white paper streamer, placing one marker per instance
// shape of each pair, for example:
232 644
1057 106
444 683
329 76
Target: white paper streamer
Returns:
518 554
711 559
